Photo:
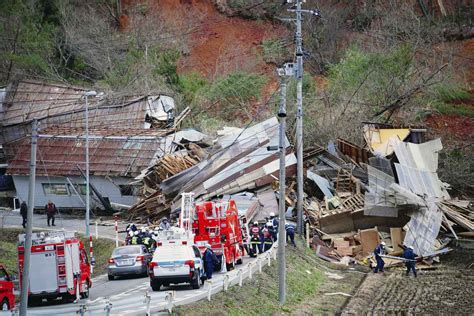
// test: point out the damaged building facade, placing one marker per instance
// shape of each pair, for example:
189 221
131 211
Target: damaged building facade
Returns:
125 136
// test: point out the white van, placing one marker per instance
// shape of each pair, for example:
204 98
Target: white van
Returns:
176 263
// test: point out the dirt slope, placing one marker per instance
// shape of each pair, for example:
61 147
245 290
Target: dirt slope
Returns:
216 44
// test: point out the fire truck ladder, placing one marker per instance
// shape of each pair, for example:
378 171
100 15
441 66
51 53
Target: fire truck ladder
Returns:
187 211
219 211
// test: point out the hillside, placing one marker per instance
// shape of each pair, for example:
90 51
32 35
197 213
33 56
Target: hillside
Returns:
405 63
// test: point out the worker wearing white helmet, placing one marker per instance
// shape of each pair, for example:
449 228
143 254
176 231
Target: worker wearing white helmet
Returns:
379 250
275 224
410 262
136 239
255 243
210 260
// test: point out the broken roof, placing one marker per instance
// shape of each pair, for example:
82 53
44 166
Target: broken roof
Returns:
64 106
110 153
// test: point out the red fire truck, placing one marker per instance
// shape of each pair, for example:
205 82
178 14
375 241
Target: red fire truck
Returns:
217 224
7 298
58 262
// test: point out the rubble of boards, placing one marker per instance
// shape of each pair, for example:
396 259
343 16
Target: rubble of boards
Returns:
236 165
354 198
387 191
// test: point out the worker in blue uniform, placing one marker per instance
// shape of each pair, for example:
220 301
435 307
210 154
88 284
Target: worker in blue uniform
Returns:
290 233
275 222
379 250
410 255
210 259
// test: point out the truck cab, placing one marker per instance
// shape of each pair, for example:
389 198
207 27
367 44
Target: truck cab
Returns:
7 298
217 223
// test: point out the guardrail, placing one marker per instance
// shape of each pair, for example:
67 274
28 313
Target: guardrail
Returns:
234 277
169 301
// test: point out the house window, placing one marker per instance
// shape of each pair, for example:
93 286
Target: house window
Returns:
80 189
55 188
128 190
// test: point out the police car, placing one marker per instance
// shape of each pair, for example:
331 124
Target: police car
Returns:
175 263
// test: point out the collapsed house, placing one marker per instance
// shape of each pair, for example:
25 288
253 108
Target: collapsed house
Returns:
355 196
239 160
126 135
387 191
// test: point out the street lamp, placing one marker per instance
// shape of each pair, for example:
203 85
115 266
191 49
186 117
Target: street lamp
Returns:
86 96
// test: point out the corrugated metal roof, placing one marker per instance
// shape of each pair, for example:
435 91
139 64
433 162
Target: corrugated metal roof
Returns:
242 163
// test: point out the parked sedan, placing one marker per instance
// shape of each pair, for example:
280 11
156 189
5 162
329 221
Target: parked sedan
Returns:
129 260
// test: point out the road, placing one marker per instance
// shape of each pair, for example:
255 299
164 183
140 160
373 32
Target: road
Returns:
100 288
132 300
127 295
13 219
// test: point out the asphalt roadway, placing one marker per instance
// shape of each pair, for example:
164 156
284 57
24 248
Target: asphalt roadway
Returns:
127 295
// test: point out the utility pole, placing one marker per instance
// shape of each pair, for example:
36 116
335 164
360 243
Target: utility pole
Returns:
299 113
25 281
284 72
299 118
88 233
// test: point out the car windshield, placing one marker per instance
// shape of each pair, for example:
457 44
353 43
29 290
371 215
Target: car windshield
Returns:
126 251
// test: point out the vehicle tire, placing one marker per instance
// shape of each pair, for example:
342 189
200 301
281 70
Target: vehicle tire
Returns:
155 285
34 301
195 283
5 306
111 277
85 294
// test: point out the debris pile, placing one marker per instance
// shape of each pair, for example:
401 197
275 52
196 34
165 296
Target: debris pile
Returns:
387 191
237 161
355 197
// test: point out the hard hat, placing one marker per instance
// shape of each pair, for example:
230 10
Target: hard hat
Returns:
383 243
255 223
269 224
143 229
411 247
136 233
130 233
165 219
272 214
208 246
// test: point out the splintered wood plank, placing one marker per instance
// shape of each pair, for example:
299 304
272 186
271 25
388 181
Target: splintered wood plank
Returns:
369 238
397 238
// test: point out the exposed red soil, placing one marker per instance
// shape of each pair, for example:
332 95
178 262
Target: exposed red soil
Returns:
217 44
465 58
452 126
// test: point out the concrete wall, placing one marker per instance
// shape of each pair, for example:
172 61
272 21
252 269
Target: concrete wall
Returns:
105 187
